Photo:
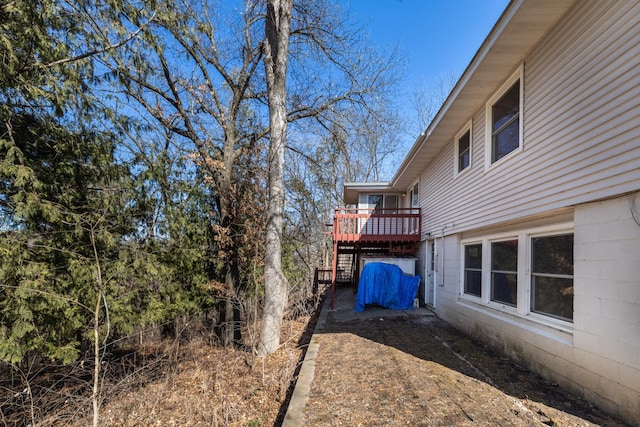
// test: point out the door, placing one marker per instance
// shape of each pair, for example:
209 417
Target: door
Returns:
429 289
379 204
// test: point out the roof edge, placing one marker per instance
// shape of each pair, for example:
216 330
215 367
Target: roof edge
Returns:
486 45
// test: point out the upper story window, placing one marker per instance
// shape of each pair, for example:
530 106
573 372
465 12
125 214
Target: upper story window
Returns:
414 200
374 201
504 119
463 149
415 196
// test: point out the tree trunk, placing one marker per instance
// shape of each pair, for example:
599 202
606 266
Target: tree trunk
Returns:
277 30
229 320
231 332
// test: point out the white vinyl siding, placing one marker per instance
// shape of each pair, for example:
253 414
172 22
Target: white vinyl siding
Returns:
581 127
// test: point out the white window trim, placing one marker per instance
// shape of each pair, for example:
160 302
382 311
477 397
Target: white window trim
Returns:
409 203
410 191
461 293
549 320
518 74
501 305
523 305
456 148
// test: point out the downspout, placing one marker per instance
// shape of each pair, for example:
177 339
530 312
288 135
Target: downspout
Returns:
442 245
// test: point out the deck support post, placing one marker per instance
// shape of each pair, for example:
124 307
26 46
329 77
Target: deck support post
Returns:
334 272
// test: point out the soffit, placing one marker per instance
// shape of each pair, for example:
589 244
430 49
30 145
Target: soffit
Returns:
352 189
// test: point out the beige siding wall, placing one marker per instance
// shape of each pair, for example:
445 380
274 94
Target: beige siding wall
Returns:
580 158
581 129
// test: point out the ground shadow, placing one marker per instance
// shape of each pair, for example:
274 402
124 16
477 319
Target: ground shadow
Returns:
432 339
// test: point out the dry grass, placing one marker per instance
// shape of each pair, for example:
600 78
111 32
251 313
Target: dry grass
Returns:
213 386
167 383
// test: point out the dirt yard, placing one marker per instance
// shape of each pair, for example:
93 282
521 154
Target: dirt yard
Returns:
419 371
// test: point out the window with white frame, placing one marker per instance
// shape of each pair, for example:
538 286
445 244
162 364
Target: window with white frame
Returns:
473 269
415 196
391 203
546 290
504 119
552 276
414 200
504 271
463 149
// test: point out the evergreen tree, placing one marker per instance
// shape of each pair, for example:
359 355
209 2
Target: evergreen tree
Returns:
70 213
62 197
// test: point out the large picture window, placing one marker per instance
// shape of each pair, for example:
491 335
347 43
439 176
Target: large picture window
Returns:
552 276
473 269
504 272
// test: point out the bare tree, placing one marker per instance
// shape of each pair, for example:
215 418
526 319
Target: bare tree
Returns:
195 71
276 48
198 80
428 98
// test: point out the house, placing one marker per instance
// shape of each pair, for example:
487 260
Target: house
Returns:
527 188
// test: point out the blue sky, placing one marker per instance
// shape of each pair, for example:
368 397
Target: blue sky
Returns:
437 37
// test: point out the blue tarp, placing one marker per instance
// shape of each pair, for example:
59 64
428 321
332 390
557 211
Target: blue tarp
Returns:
386 285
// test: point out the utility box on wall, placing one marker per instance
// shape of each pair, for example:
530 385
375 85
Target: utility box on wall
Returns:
406 264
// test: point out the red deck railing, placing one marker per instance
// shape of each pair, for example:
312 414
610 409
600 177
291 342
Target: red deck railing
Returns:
377 225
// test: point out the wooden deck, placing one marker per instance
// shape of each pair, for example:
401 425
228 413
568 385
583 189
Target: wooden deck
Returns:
356 231
376 225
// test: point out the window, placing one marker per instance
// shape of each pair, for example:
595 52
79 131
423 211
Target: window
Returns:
505 123
414 223
473 269
375 201
504 120
464 151
552 276
522 273
415 201
433 255
504 272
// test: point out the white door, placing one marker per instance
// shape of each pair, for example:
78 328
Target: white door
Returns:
429 289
